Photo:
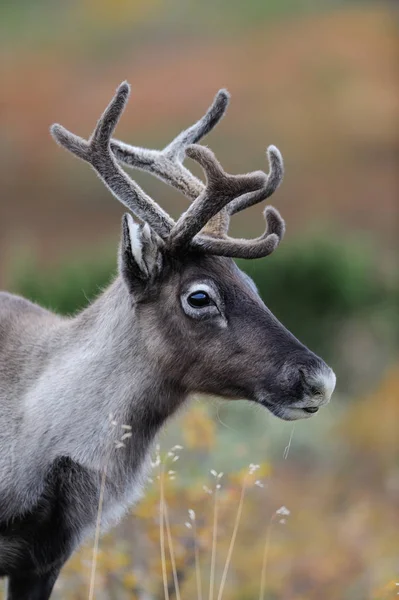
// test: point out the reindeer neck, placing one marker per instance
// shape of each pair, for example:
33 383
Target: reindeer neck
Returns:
101 373
116 368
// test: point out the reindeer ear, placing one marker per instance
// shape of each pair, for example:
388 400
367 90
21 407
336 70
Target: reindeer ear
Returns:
140 254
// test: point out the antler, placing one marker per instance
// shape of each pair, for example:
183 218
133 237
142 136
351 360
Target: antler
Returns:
97 152
221 189
204 225
167 164
241 248
274 178
275 226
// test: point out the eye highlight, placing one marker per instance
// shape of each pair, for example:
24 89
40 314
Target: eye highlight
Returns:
199 299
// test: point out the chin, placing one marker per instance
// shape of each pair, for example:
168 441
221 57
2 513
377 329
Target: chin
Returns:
287 413
290 412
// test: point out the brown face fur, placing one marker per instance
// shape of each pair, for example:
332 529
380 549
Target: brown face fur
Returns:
234 349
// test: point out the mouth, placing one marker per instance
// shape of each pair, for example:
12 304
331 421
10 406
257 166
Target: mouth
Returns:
316 392
290 413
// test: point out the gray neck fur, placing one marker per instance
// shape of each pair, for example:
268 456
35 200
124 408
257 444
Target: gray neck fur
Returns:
84 373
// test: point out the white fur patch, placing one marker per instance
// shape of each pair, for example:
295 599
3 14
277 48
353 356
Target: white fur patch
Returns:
146 232
136 245
329 380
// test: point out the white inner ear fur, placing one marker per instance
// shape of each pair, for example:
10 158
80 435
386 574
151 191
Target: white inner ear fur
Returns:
135 234
146 232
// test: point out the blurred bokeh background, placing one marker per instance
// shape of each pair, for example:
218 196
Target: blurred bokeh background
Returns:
318 79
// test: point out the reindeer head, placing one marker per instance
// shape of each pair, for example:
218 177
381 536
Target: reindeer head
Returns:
201 320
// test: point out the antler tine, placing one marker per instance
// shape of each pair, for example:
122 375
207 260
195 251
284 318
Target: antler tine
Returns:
176 149
103 131
167 164
240 248
220 190
274 179
109 119
97 152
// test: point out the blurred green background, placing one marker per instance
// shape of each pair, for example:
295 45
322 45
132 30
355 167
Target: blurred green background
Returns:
317 79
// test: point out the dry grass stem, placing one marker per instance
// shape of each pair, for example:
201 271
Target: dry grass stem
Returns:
197 562
265 557
162 533
214 539
233 538
171 550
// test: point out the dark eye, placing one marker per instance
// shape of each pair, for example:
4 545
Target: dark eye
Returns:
199 300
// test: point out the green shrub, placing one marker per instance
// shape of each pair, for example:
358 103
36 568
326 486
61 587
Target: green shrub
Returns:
68 287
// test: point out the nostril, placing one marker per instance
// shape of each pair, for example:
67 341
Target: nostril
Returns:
311 409
316 382
315 391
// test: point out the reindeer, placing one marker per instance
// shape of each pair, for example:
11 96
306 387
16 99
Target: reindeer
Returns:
180 318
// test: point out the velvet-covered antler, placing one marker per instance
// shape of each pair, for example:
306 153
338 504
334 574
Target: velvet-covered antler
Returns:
220 190
204 225
265 244
222 244
97 152
167 164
